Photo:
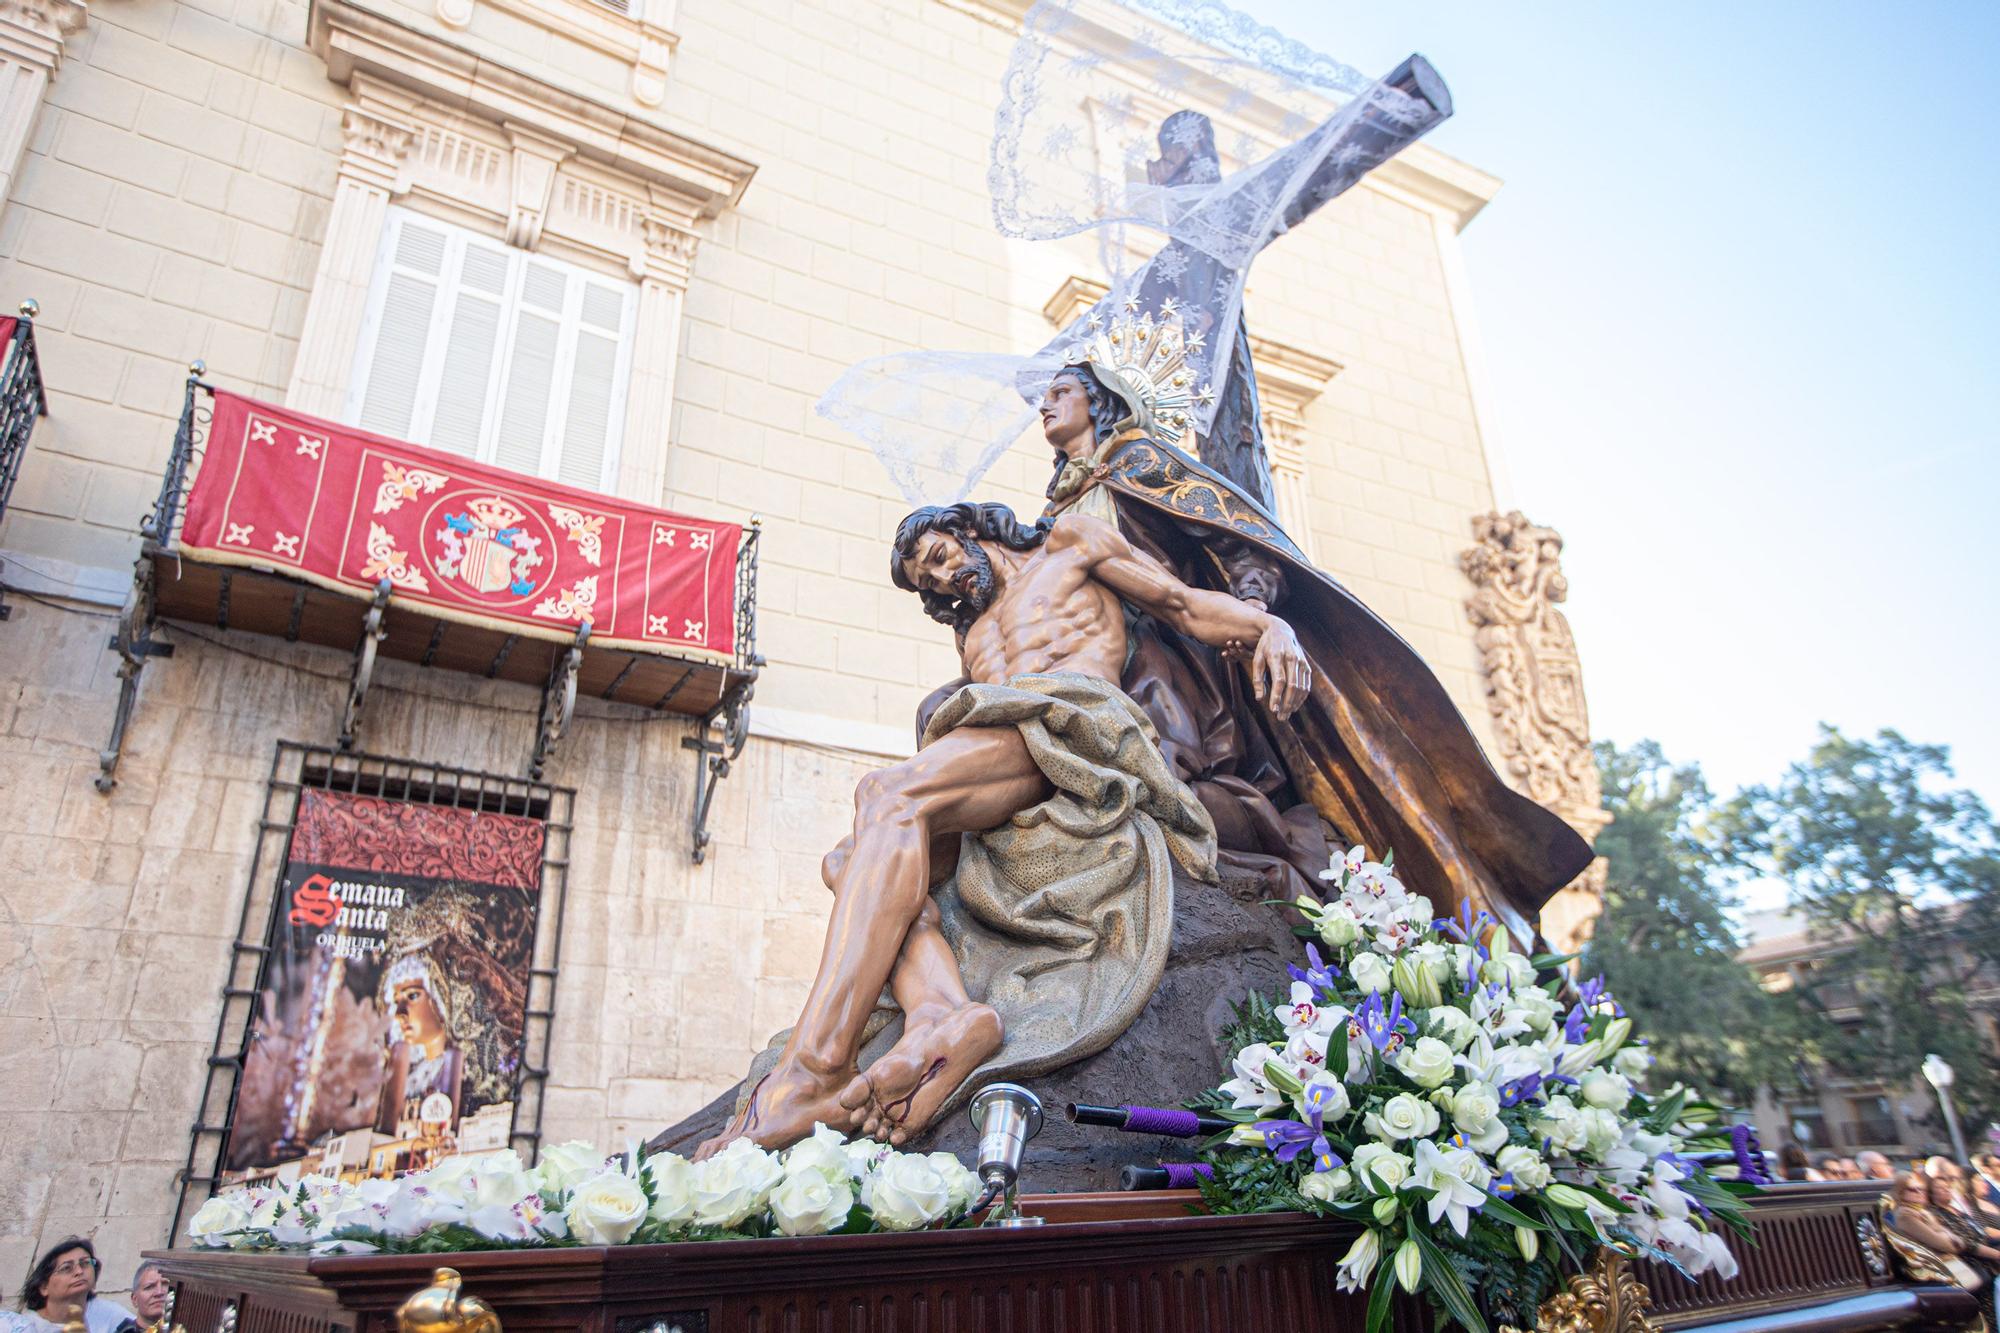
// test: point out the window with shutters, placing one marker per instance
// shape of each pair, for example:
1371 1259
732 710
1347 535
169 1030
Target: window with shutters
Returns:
508 357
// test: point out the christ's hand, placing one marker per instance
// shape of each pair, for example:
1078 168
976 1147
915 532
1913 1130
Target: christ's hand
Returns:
1279 672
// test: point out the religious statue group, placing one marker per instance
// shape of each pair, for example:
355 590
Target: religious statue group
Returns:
1155 681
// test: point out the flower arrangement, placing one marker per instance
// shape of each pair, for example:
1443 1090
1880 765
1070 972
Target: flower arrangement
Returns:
576 1195
1479 1115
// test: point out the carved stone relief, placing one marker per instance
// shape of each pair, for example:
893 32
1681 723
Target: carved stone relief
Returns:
1534 688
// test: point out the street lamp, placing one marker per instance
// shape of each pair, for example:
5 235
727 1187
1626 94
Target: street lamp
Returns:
1941 1077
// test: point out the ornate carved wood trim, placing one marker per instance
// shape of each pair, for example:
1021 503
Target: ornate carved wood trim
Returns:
1607 1299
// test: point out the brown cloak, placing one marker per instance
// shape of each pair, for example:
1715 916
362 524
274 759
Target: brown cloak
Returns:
1379 750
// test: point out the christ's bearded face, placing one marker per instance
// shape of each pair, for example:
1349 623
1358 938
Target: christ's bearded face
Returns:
949 565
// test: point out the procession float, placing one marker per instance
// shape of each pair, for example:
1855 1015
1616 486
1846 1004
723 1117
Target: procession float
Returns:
1192 974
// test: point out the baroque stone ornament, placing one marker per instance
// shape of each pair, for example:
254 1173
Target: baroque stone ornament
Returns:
1534 688
1606 1299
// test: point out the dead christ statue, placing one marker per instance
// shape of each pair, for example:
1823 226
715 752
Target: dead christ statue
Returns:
1061 906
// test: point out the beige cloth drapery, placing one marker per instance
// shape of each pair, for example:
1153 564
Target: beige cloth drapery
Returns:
1062 917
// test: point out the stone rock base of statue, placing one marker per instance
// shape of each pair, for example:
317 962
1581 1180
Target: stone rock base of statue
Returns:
1227 944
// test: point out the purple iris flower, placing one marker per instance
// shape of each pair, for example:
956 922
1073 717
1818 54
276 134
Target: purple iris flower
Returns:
1382 1027
1503 1185
1288 1138
1592 991
1465 927
1472 975
1319 976
1575 1026
1520 1090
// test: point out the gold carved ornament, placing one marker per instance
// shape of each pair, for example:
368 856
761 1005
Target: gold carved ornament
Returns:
443 1308
1606 1299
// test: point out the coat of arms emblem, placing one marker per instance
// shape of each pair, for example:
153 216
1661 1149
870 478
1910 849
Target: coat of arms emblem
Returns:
486 548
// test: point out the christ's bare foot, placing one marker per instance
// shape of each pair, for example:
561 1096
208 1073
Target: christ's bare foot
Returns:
938 1051
783 1108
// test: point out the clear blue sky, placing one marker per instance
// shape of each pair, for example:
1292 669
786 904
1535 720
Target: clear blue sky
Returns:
1741 307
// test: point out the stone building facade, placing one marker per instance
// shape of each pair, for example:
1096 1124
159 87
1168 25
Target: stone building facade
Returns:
774 189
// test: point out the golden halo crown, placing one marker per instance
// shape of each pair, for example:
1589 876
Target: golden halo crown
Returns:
1144 359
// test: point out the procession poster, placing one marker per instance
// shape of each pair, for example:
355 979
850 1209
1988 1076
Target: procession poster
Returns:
387 1032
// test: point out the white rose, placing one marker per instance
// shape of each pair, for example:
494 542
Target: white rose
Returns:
1382 1164
1530 1172
825 1153
1606 1090
1327 1186
568 1165
1632 1062
960 1180
865 1157
672 1179
1561 1125
734 1184
1403 1117
498 1180
907 1192
1454 1027
605 1209
1536 1007
1370 972
806 1203
1417 910
1338 926
1508 969
218 1220
1333 1100
1601 1129
1427 1063
1474 1107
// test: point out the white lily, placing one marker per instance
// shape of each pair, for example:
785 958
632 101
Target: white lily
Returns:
1451 1173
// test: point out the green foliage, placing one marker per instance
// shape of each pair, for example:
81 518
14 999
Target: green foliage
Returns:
1665 943
1253 1021
1900 874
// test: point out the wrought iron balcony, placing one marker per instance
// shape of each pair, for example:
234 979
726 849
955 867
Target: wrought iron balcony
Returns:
21 401
277 523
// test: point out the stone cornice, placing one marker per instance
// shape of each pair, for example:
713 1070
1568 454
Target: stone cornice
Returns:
34 32
1419 176
355 41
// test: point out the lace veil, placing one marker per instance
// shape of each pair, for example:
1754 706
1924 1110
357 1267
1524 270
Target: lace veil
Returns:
1094 135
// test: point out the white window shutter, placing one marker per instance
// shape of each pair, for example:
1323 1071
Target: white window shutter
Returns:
413 268
510 358
471 351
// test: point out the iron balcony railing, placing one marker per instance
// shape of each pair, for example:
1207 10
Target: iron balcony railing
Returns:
22 400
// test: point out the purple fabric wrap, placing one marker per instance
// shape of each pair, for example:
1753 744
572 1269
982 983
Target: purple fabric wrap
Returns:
1183 1175
1159 1120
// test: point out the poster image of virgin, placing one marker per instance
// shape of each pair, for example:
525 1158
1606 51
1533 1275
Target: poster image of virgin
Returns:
387 1033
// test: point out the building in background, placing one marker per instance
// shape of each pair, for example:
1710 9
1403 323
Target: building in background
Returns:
1839 1111
620 247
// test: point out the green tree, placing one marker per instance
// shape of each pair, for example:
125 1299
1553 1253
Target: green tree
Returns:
1665 943
1898 873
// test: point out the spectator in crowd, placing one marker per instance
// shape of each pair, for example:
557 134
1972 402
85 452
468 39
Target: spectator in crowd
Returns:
63 1281
149 1293
1986 1184
1914 1217
1793 1165
1825 1166
1954 1208
1874 1166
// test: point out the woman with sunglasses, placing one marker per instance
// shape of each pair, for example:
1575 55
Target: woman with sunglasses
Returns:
63 1281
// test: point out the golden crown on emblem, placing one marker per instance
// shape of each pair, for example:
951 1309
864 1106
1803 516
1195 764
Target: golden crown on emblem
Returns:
1144 359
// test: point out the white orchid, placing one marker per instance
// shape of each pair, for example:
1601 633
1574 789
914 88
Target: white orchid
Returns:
1250 1090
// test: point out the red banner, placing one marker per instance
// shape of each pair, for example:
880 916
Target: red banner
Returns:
346 509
